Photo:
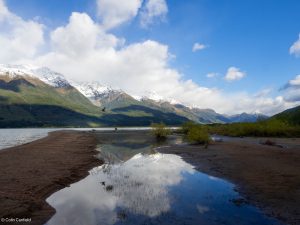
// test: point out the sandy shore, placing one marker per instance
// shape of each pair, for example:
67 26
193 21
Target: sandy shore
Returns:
30 173
267 176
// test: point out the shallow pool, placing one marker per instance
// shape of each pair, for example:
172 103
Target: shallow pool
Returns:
145 187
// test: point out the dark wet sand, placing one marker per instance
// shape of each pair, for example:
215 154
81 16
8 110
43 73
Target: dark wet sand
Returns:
267 176
30 173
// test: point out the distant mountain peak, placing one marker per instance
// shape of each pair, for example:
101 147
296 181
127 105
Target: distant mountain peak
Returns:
51 77
16 70
154 96
247 117
99 94
94 89
46 75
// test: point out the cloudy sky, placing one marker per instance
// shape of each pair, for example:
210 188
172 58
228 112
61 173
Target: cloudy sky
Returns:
231 56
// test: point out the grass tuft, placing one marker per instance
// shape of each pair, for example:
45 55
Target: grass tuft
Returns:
160 131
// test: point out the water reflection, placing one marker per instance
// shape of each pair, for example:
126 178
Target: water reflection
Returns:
121 150
113 190
151 189
10 137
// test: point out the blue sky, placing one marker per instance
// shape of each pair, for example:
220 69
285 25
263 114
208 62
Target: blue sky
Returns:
254 37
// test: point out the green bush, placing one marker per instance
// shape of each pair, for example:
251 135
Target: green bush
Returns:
160 131
187 126
198 134
195 133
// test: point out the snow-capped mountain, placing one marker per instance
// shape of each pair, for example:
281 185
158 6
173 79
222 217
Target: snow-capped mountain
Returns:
103 96
44 74
50 77
98 94
154 96
93 89
118 100
16 70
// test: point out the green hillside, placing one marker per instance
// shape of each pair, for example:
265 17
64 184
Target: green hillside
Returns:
284 124
34 92
117 100
29 102
194 114
290 116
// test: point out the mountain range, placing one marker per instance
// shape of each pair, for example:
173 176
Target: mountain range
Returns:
33 96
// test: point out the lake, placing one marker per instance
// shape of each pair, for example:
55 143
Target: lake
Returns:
18 136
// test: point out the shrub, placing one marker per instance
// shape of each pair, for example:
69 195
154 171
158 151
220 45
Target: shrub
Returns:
187 126
198 134
160 131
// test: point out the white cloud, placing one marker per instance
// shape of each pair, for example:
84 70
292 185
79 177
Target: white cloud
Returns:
3 10
115 12
292 84
81 36
234 73
198 47
18 38
295 48
137 69
295 82
263 93
292 95
212 75
292 90
153 9
84 50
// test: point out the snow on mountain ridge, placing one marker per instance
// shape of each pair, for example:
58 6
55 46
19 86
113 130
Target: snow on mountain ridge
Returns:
98 93
154 96
51 77
43 73
94 89
16 70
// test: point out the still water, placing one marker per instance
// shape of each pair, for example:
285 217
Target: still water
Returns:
14 137
137 185
19 136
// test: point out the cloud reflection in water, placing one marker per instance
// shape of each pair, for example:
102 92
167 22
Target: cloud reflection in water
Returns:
138 186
